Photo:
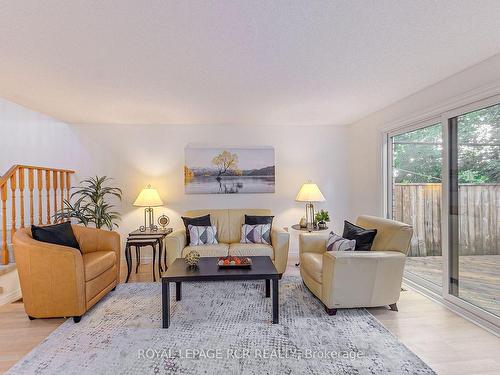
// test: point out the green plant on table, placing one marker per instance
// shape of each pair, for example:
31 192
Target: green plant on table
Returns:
322 216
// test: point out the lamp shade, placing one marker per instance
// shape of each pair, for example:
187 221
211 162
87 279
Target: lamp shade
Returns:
310 192
148 197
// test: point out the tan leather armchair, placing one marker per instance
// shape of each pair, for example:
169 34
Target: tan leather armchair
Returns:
348 279
228 223
61 281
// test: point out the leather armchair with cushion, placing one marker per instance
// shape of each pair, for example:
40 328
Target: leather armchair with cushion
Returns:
61 281
228 223
348 279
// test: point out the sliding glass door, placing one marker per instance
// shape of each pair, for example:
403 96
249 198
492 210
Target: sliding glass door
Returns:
474 207
443 178
416 195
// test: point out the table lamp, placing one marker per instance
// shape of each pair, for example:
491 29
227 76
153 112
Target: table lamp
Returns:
148 198
309 193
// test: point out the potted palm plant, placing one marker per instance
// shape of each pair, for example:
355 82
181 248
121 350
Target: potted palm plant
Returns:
92 206
322 217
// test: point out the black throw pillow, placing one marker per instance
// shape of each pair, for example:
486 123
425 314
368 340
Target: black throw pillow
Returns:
255 220
364 237
260 219
201 221
58 234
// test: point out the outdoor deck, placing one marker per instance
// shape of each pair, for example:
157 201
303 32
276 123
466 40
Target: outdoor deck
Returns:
479 277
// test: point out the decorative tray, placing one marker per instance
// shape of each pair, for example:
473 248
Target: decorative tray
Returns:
234 262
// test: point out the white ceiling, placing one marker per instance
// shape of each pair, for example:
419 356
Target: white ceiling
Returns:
234 62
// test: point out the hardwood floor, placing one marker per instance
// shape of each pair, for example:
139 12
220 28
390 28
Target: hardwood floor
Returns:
444 340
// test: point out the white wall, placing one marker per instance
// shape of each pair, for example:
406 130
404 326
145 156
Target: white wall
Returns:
139 155
29 137
365 136
344 161
154 154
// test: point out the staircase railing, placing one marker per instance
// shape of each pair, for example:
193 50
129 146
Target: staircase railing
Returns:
45 187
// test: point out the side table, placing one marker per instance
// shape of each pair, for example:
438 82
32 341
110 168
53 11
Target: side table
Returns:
151 238
148 233
309 229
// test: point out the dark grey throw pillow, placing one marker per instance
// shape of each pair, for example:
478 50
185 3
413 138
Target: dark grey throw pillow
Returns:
200 221
364 237
57 234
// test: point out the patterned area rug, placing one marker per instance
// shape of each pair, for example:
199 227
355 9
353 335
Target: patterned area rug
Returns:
220 328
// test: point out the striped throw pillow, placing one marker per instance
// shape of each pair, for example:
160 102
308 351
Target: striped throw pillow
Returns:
202 235
337 243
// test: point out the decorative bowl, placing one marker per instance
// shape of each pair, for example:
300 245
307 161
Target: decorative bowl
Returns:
234 262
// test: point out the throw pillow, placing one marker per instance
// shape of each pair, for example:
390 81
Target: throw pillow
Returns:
260 233
259 219
337 243
364 237
57 234
195 221
203 235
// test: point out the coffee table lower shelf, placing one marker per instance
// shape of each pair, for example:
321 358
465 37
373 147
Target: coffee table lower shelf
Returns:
178 272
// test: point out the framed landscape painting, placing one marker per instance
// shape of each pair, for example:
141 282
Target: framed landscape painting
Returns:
229 170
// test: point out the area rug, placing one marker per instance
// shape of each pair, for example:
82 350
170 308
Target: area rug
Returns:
220 328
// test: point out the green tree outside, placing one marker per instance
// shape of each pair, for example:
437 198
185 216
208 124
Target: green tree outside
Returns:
417 155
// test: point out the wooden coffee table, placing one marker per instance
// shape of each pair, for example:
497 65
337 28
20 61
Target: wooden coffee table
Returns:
262 269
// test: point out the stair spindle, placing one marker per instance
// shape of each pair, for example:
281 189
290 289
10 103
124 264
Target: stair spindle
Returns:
62 183
31 186
68 185
39 176
13 187
5 253
21 194
54 180
47 188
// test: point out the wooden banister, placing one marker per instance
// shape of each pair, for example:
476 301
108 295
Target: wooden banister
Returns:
13 181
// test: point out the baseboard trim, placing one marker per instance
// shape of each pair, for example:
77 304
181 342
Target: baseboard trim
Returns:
473 318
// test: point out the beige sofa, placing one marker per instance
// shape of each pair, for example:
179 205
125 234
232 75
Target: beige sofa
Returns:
228 223
347 279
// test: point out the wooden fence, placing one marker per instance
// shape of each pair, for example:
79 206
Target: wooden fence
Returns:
479 210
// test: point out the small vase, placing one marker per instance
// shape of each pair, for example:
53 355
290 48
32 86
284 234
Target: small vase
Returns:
303 222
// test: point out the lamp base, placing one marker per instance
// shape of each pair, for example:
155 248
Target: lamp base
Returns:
152 228
148 221
310 216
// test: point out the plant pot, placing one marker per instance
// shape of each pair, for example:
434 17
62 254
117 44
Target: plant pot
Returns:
322 224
